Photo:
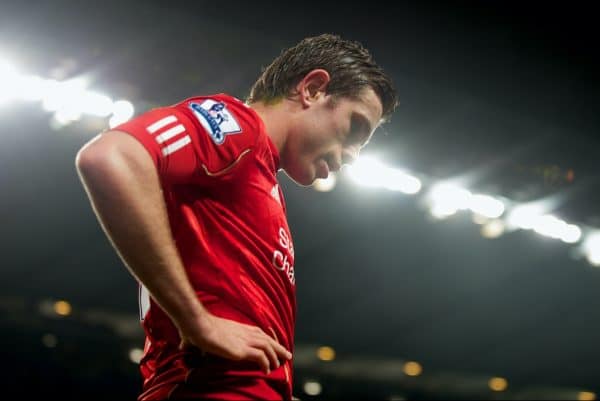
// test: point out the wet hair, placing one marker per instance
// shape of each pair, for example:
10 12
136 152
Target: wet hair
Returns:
350 66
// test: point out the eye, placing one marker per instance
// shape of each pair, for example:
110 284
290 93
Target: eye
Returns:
358 133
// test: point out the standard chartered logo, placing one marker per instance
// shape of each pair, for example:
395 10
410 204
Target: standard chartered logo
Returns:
283 258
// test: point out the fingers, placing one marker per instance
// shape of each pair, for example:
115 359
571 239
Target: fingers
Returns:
286 354
265 346
260 357
281 350
273 351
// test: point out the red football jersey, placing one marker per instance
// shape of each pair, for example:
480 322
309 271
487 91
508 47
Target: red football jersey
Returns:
218 169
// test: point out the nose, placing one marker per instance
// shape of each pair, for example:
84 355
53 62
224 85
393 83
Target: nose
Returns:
350 154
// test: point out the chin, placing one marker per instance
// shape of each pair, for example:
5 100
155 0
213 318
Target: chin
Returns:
303 178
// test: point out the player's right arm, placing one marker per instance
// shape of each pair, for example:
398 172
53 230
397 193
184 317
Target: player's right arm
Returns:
124 187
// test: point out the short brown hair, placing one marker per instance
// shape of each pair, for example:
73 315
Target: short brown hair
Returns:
349 64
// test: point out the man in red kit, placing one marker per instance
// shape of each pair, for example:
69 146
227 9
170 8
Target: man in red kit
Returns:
189 198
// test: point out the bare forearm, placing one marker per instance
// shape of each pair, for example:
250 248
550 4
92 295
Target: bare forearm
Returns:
125 194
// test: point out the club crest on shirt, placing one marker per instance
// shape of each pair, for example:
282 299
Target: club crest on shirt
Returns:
216 119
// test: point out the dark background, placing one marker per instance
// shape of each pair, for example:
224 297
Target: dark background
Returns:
500 92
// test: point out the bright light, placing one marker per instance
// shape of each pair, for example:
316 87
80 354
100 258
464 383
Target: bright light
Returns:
447 199
486 205
497 384
312 388
549 225
122 111
442 211
9 78
398 180
493 229
62 308
571 234
64 96
325 184
96 104
591 247
136 355
65 116
412 368
33 88
369 172
326 354
586 396
553 227
524 216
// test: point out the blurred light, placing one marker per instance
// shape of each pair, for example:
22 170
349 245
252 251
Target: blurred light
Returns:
49 340
325 184
326 354
497 384
594 258
493 229
96 104
586 396
122 111
524 216
62 308
591 247
479 219
8 82
312 388
441 211
486 205
369 172
33 88
136 355
398 180
553 227
65 116
412 368
447 199
571 234
64 96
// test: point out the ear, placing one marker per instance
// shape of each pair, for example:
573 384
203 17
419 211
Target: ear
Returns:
313 86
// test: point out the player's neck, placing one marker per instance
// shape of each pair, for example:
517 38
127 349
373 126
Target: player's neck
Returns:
276 118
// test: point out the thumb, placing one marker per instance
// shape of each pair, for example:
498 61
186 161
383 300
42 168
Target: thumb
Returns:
184 343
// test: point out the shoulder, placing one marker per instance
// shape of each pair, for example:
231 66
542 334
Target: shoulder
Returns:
226 120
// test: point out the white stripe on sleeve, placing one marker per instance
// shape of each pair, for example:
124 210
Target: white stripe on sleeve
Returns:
170 133
161 123
175 146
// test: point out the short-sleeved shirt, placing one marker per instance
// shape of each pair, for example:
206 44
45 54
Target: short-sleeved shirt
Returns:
218 167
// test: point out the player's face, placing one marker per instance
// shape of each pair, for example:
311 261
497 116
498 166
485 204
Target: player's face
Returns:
331 134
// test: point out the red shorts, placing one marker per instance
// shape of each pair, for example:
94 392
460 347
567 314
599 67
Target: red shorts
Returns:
191 375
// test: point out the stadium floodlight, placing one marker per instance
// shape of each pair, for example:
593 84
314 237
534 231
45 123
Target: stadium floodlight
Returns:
447 199
591 247
486 205
122 111
524 216
9 78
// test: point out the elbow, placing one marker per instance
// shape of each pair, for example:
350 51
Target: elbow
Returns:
89 158
111 155
98 157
